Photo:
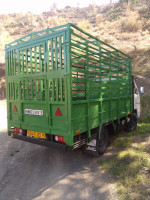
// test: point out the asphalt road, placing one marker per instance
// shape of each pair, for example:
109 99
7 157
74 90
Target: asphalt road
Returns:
29 171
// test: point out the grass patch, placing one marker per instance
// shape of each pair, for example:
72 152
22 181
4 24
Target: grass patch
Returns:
123 142
145 109
130 164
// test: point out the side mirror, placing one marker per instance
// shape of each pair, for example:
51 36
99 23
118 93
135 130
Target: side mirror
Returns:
142 90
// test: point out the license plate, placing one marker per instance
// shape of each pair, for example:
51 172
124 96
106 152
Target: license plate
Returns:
36 134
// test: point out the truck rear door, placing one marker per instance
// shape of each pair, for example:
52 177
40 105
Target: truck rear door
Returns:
38 88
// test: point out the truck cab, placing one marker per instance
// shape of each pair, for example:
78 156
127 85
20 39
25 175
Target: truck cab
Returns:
136 99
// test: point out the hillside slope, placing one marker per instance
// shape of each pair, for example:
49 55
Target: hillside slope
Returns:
126 26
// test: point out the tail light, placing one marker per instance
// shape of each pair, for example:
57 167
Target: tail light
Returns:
18 130
59 139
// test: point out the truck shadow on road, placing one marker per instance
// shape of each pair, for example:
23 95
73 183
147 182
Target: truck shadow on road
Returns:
48 173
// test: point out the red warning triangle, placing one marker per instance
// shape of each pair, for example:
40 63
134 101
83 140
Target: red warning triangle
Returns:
58 112
15 109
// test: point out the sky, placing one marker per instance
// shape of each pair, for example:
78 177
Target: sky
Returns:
39 6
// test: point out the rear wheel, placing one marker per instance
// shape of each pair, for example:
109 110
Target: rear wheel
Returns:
132 124
103 142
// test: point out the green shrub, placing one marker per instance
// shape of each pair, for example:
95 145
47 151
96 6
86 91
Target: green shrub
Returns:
130 25
144 11
146 25
99 19
114 13
84 24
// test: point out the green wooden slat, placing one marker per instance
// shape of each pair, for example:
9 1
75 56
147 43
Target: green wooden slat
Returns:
13 64
8 64
13 91
79 36
23 89
30 36
52 56
78 54
78 41
61 89
36 88
8 89
14 88
78 80
77 62
90 52
78 87
32 90
56 54
41 89
93 59
53 90
22 61
10 95
40 60
48 55
60 51
27 90
78 94
11 72
26 57
109 46
78 49
31 62
35 56
76 69
96 48
56 83
78 46
65 54
14 55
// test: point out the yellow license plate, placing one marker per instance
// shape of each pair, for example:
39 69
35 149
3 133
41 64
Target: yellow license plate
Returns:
36 134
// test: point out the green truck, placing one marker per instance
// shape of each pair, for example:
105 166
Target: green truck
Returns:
67 88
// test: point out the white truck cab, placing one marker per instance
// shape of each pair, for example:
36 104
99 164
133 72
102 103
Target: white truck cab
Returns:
136 96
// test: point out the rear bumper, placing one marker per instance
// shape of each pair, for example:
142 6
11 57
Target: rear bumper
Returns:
41 142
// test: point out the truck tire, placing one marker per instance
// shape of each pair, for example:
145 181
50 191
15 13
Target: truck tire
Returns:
103 142
132 124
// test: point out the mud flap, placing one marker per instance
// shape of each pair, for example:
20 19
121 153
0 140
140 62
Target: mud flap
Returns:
91 148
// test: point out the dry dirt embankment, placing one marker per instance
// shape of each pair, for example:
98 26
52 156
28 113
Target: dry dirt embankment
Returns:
126 26
123 25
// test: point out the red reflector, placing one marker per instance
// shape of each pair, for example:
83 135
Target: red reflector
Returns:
59 139
17 130
58 112
15 109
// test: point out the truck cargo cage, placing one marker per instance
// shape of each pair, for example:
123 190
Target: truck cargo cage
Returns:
66 70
